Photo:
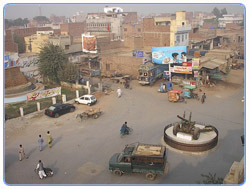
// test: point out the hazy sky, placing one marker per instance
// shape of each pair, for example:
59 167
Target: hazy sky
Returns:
13 11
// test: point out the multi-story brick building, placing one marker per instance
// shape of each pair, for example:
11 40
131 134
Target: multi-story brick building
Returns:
73 29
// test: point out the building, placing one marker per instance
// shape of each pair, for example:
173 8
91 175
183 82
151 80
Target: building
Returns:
35 42
75 30
78 17
227 19
9 44
166 31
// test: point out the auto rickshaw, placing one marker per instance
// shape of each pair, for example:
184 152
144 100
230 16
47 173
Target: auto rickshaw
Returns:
175 96
165 87
188 92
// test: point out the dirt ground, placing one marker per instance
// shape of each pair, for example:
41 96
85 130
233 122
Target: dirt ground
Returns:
81 149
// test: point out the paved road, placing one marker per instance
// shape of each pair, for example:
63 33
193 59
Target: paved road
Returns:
81 150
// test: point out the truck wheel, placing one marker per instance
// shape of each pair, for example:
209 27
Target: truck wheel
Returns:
150 176
176 128
196 133
117 172
96 116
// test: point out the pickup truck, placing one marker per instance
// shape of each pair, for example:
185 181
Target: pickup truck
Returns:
140 158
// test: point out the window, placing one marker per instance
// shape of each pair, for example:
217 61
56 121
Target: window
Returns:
183 23
66 46
108 67
182 36
178 38
139 30
125 29
186 36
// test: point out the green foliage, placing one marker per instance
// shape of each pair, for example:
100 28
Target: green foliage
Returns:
218 13
41 19
16 22
211 179
20 42
69 73
51 61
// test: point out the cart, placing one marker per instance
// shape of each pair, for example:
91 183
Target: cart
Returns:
165 87
94 113
189 92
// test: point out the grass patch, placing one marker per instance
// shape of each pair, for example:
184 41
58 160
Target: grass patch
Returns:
12 110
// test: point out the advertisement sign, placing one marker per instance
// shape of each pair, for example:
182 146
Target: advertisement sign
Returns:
182 69
196 74
196 62
44 94
166 55
89 43
189 64
137 53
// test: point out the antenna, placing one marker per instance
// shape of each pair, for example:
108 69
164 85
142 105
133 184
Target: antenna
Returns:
40 10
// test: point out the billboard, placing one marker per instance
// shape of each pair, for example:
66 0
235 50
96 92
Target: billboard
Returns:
181 69
44 94
89 43
137 53
166 55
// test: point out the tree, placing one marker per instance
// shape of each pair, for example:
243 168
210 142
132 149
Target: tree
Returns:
69 73
51 61
16 22
20 43
223 11
41 19
216 12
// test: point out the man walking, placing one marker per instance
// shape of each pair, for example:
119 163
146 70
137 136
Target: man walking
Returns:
40 169
40 141
203 98
119 92
49 139
21 153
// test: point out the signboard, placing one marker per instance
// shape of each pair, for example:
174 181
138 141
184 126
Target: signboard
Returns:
44 94
166 55
89 43
196 74
137 53
182 69
196 62
189 64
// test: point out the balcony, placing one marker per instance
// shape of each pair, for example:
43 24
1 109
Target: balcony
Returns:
183 29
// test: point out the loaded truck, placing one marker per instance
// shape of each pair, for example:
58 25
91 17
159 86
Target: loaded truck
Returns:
149 73
140 158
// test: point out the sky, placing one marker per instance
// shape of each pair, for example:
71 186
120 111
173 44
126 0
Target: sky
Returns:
13 11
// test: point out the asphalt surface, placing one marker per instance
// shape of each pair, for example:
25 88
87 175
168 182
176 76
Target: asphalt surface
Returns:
81 150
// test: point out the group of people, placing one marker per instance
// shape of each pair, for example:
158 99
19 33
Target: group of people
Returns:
39 168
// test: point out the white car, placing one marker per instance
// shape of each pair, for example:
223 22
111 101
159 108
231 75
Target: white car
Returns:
86 99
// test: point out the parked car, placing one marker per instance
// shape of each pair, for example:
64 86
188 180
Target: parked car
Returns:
59 109
86 99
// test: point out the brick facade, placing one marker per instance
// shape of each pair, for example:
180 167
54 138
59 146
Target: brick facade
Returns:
120 64
73 29
129 30
9 44
14 77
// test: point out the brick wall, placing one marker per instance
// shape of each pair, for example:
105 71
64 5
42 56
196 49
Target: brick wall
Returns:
149 26
131 17
133 43
9 44
120 64
30 31
14 77
156 39
73 29
132 30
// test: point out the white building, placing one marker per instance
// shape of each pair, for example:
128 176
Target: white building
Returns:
113 10
229 19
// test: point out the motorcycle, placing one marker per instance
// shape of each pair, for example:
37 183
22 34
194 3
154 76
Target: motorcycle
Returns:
126 132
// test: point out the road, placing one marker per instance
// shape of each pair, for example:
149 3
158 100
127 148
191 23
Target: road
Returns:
81 150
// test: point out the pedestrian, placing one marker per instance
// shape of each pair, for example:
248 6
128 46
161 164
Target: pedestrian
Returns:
49 139
203 98
21 153
40 141
119 92
40 169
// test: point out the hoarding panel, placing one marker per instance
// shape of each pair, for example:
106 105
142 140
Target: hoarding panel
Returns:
89 43
44 94
182 69
166 55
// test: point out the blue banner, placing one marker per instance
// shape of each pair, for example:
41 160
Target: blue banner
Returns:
166 55
137 53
